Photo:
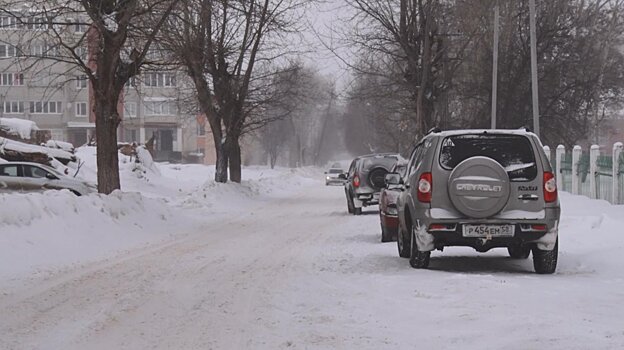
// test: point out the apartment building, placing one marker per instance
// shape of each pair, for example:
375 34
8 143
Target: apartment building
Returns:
36 85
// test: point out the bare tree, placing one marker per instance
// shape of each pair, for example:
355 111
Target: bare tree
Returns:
109 53
226 47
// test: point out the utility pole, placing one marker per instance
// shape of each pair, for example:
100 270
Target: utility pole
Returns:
495 65
536 124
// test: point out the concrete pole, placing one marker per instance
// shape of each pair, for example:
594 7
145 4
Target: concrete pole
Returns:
495 65
536 124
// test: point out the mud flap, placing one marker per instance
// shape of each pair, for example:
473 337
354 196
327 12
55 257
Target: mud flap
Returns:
424 239
547 241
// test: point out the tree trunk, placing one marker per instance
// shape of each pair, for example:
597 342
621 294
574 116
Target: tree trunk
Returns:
221 166
106 122
234 156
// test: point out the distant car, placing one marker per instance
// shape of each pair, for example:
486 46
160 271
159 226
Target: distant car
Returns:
332 176
388 214
34 177
366 178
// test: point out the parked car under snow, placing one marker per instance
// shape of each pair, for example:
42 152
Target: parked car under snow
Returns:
34 177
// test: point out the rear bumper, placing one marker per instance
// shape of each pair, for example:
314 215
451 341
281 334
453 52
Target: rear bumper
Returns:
545 239
366 199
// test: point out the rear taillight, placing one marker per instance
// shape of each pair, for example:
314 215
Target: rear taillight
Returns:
424 188
356 181
550 187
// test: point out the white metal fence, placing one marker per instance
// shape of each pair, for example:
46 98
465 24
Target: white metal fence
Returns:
595 173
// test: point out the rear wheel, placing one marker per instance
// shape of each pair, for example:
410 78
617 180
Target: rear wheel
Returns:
349 204
418 259
403 243
545 261
519 252
356 210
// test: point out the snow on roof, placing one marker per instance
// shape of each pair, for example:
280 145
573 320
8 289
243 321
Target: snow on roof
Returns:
65 146
21 127
28 148
483 131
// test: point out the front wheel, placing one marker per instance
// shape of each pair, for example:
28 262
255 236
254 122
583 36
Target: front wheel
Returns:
545 261
418 259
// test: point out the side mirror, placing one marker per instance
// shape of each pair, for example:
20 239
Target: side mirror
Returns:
342 176
393 179
50 176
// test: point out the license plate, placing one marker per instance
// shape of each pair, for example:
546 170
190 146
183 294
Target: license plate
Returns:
488 230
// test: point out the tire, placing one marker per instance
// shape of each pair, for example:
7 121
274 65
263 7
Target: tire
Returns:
418 259
385 235
519 252
545 261
349 204
403 243
357 211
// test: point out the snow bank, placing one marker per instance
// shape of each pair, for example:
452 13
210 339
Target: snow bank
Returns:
65 146
21 127
28 148
42 231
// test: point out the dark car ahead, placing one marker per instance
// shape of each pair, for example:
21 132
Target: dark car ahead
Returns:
482 189
366 178
388 213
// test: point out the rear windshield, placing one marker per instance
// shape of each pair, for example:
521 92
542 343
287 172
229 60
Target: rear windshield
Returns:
385 162
513 152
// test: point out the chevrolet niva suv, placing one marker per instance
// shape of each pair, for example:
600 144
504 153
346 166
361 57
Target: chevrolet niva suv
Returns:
482 189
366 178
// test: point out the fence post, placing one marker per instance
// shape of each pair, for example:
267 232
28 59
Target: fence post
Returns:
615 194
594 152
559 154
576 158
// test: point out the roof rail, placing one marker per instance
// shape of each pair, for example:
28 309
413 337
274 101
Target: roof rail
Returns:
434 130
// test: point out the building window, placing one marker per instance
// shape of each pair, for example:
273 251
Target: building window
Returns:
38 23
130 109
201 129
12 107
80 28
81 52
11 79
82 109
159 108
159 79
8 22
52 107
7 50
81 82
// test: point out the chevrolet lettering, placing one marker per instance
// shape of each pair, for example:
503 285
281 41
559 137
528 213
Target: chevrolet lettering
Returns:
479 187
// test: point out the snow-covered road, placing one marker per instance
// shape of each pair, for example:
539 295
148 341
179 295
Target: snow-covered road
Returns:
296 272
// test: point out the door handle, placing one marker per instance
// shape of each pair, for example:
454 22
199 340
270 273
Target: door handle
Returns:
528 197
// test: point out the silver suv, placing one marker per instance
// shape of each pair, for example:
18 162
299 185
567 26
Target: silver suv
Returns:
479 188
366 178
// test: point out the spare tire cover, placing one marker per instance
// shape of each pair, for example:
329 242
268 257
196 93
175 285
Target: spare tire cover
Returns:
479 187
376 178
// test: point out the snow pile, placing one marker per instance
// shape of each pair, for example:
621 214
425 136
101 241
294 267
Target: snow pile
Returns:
11 145
65 146
54 228
145 163
21 127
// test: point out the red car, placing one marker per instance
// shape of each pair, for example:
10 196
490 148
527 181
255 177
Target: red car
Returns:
388 214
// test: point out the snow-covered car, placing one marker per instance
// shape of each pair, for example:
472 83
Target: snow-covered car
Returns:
34 177
388 214
366 178
482 189
332 177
